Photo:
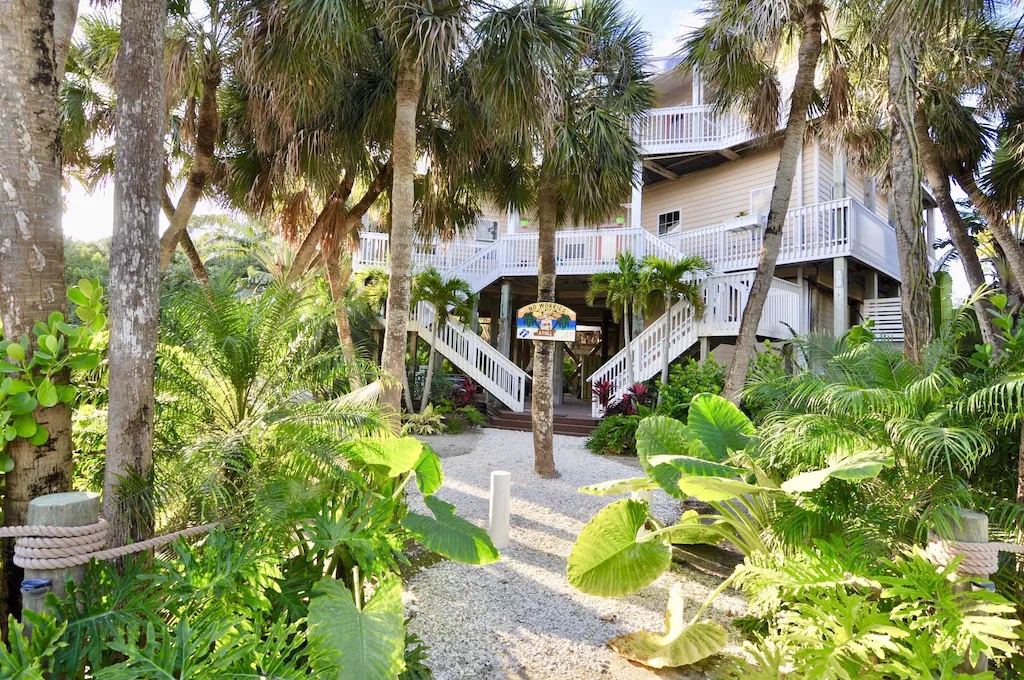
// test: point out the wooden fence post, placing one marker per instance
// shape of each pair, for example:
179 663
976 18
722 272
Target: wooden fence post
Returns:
73 509
972 527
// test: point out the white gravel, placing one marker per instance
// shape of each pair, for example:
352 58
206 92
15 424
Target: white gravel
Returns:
519 617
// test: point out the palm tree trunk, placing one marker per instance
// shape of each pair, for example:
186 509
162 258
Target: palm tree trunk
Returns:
792 143
195 262
412 369
938 179
31 247
541 401
665 361
1004 236
905 174
207 127
403 156
431 360
337 279
627 332
135 269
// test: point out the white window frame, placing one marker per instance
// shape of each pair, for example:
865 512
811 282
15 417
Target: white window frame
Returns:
674 228
765 195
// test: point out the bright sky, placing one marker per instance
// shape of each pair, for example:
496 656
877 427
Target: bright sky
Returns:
91 216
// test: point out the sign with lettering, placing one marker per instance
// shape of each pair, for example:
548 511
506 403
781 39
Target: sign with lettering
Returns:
546 321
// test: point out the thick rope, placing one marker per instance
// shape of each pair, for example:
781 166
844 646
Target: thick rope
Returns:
47 547
979 559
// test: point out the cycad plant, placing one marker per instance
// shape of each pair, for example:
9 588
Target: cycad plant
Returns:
666 282
449 298
624 295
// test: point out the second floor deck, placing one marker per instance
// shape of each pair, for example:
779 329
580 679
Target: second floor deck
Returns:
840 228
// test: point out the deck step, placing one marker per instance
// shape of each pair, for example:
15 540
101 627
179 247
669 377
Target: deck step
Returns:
574 426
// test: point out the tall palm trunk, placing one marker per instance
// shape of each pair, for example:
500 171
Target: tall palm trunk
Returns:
431 360
665 361
792 143
1011 246
403 156
207 127
135 270
338 278
31 243
938 179
541 402
627 332
414 340
905 175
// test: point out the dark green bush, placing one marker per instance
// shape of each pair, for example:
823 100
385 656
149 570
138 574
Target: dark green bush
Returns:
685 381
615 436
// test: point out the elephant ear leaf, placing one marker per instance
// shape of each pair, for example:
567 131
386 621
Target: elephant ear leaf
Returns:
358 644
397 454
720 425
429 475
859 466
659 436
607 559
450 535
681 644
619 486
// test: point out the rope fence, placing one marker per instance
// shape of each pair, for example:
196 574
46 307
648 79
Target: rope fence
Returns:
53 547
979 559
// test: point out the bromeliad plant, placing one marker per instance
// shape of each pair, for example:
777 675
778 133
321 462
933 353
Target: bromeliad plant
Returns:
31 369
709 458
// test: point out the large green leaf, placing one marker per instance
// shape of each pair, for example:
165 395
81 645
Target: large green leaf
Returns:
690 530
663 436
607 560
619 486
717 489
859 466
397 454
359 644
429 475
719 425
681 644
668 470
449 535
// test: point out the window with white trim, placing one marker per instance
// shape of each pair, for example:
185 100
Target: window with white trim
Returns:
761 201
669 222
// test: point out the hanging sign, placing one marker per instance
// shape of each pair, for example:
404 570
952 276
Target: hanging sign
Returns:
546 321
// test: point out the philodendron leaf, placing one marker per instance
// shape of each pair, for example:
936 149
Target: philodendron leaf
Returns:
358 644
717 489
449 535
397 454
669 470
720 425
620 486
607 560
681 644
429 475
859 466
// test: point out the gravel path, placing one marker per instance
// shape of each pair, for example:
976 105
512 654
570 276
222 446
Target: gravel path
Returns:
519 617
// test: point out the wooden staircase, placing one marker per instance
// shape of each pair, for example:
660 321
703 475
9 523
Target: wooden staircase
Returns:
572 422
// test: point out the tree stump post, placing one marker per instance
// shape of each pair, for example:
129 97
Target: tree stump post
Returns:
74 509
971 527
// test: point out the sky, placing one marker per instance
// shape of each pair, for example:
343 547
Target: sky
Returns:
90 216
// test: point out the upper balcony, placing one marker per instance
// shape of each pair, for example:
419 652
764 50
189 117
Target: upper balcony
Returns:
690 129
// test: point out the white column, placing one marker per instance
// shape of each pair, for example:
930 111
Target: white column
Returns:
705 348
698 91
505 320
636 204
871 285
840 295
501 508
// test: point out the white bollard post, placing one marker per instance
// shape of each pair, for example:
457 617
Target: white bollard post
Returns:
501 508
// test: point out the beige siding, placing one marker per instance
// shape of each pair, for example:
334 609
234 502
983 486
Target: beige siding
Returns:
824 174
711 196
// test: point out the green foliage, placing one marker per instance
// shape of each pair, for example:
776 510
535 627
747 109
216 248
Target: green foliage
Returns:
31 371
449 535
685 381
426 423
615 435
838 610
30 657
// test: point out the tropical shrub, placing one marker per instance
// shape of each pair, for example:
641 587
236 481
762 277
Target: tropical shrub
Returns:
615 435
842 609
429 422
458 419
688 379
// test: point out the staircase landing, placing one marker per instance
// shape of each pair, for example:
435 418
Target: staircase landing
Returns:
572 418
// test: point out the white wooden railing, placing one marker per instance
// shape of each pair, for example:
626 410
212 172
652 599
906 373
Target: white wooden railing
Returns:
887 313
481 362
681 129
373 252
725 297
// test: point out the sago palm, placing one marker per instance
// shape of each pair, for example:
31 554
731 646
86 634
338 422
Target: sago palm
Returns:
624 295
666 282
449 298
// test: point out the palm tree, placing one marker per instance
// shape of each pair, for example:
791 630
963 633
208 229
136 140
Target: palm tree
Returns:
666 282
624 294
135 264
737 51
449 298
563 150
